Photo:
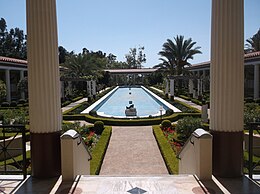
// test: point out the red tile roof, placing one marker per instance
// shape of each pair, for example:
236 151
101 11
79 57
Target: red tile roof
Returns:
13 60
247 57
253 54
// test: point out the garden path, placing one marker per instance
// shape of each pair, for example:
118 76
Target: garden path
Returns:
133 151
185 101
71 105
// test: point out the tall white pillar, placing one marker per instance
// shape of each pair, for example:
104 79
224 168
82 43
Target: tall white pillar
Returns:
172 88
94 91
62 89
44 88
166 87
199 87
227 86
191 86
89 89
8 85
70 87
203 81
256 81
21 78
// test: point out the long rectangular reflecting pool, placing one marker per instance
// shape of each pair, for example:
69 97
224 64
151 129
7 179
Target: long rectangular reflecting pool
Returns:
115 103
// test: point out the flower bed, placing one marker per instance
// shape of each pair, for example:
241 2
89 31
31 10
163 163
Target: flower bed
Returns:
171 137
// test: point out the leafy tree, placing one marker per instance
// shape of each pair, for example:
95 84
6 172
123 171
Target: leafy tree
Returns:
12 43
175 54
63 53
253 43
135 58
186 126
155 78
166 66
2 90
23 85
80 66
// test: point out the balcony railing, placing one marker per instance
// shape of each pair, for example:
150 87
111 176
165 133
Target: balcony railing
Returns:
13 144
254 126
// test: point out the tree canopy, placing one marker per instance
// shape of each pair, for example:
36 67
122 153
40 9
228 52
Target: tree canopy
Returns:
135 58
12 42
253 43
175 55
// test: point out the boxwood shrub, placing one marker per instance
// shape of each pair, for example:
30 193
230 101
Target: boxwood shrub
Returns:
99 151
99 127
169 156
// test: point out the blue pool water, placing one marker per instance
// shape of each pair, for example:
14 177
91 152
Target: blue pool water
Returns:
115 104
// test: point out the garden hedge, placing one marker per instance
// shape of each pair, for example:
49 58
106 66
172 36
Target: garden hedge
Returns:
77 98
169 156
99 151
185 97
128 122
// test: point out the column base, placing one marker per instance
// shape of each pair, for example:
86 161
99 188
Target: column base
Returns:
46 155
227 154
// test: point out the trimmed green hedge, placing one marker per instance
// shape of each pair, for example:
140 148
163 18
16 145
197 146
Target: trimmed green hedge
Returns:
77 98
196 101
66 103
129 122
184 97
188 106
169 156
71 109
99 151
77 117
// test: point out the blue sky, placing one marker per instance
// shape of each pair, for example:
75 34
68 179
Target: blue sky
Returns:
114 26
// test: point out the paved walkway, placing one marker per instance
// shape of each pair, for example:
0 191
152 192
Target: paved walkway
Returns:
71 105
133 151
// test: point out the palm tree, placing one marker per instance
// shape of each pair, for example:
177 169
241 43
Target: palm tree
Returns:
176 54
254 42
166 67
81 66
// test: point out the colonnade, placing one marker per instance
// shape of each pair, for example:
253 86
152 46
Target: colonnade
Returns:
226 87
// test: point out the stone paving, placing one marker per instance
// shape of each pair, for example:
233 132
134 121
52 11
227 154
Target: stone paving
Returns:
133 151
71 105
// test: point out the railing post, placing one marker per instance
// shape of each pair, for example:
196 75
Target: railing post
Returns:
75 158
14 146
24 152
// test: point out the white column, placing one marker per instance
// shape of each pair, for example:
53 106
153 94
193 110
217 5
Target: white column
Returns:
172 88
191 86
70 87
94 91
256 81
166 87
62 89
89 89
203 81
44 87
21 78
8 85
199 86
227 86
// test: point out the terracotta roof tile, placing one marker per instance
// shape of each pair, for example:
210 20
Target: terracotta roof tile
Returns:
253 54
12 60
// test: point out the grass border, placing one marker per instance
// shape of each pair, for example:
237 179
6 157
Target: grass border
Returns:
99 151
169 156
